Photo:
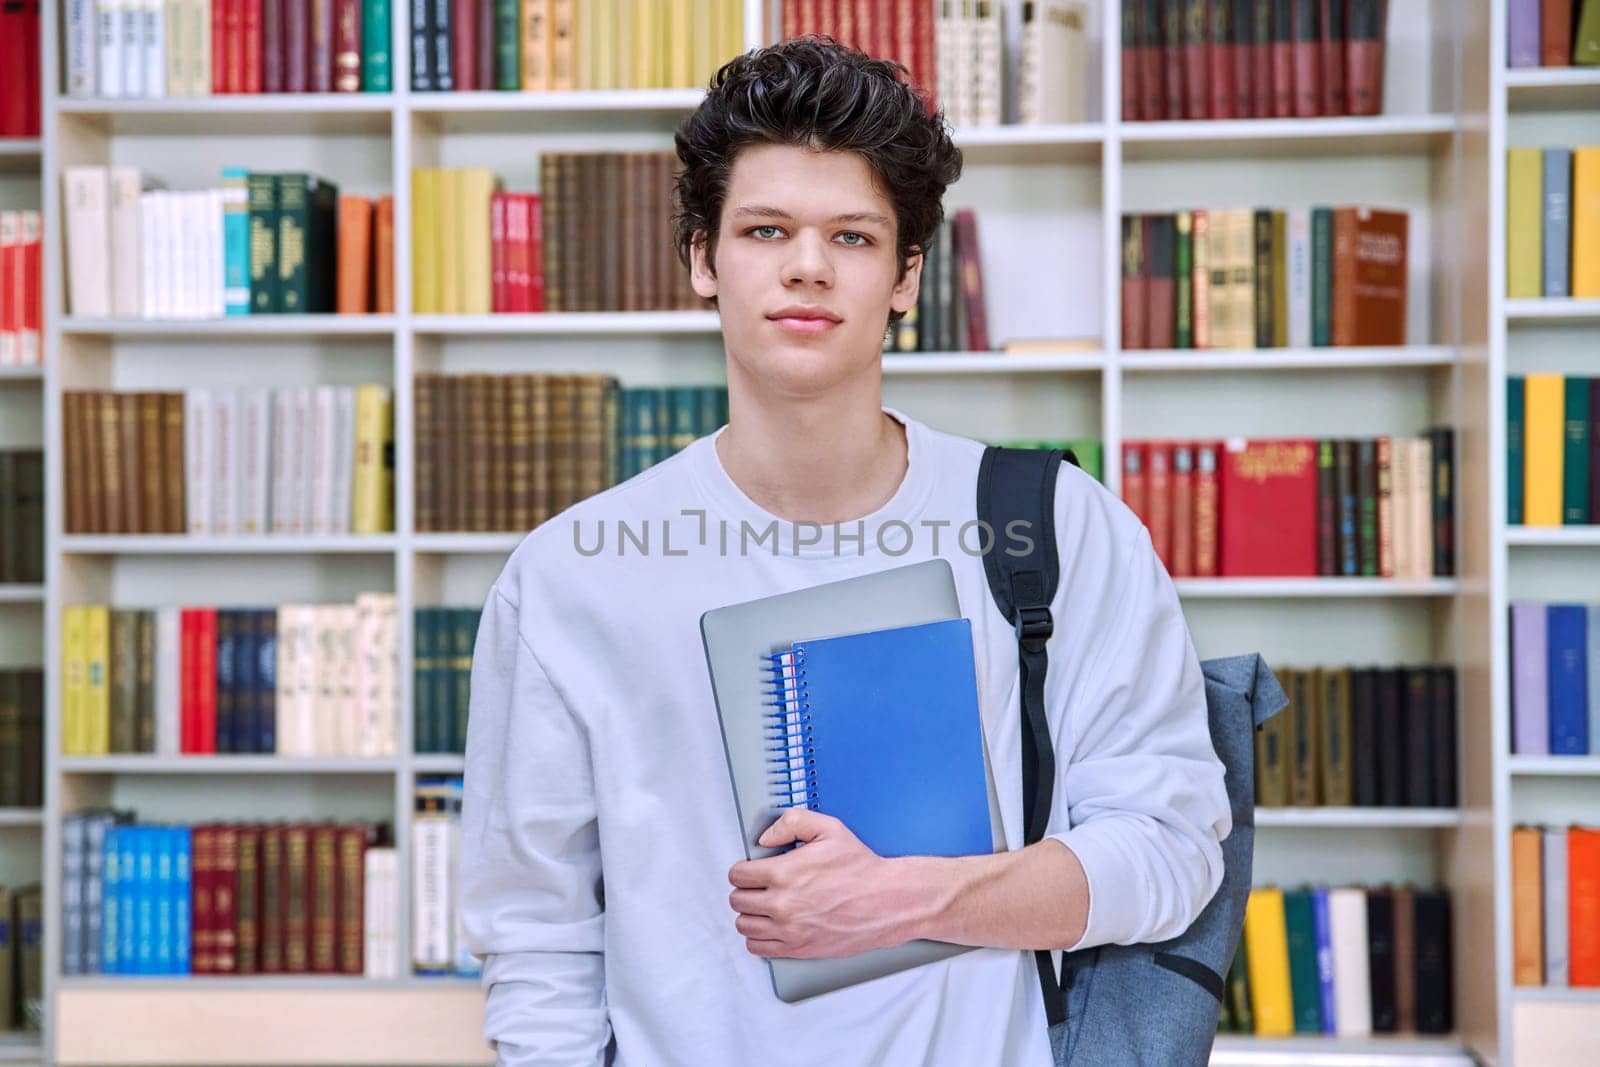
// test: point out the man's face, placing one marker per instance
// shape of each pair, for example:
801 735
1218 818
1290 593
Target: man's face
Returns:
806 269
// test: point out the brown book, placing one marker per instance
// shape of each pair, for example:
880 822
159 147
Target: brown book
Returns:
144 725
123 682
1272 772
479 444
321 46
202 866
1280 279
73 473
423 401
174 506
969 263
347 46
562 441
460 465
152 481
1182 510
518 420
1265 271
1343 326
633 238
1369 276
539 490
1158 475
1134 284
1172 57
1405 960
1161 247
591 440
129 461
383 256
608 221
1261 82
1386 502
500 488
324 899
248 900
1196 81
1206 509
1555 33
1307 58
1304 787
443 434
271 912
355 252
1364 57
225 900
550 253
1334 726
661 205
296 899
578 184
296 45
1527 906
93 414
352 897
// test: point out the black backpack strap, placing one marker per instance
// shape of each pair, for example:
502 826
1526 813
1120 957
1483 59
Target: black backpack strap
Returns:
1017 485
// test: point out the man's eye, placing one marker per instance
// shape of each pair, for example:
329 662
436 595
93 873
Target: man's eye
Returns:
765 232
860 238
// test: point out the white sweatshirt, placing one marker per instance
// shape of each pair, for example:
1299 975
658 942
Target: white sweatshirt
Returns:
599 822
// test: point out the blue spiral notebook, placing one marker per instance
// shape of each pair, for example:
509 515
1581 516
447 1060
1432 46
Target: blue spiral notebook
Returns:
881 730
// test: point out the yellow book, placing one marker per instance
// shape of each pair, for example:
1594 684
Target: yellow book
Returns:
644 43
1524 223
425 241
535 45
97 689
605 44
1544 418
452 246
477 189
585 45
1586 222
703 59
563 50
622 43
679 54
1266 941
732 23
74 668
371 501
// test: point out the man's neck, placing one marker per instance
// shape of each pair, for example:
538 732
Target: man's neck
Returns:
827 460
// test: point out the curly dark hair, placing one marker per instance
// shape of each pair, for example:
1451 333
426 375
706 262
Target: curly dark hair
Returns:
813 92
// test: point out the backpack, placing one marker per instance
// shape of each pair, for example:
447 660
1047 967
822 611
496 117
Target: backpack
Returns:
1151 1004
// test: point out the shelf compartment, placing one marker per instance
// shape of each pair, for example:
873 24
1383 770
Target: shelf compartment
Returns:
20 155
295 114
1359 818
1206 361
1552 310
569 323
227 764
1349 136
1314 588
1554 766
1553 89
236 326
205 544
918 364
1553 536
21 594
1016 143
467 544
1401 1050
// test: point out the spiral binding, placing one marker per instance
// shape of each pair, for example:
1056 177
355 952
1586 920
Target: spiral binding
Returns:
793 766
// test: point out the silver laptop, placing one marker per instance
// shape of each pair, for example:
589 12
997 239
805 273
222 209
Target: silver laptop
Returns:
738 640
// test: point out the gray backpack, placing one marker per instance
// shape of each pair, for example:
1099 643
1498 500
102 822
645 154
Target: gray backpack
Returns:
1153 1004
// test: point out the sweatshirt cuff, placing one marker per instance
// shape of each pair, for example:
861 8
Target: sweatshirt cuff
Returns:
1115 902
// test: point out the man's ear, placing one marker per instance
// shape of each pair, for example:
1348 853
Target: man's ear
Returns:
702 273
904 297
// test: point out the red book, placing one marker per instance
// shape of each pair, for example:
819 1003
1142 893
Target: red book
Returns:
1333 23
1132 111
1152 76
464 44
1172 57
296 45
827 20
971 280
324 899
1555 33
1134 283
202 860
1219 60
1260 58
1307 58
1363 57
33 88
1207 509
1269 509
516 251
272 42
1182 510
926 63
1135 489
1158 479
498 262
352 882
1583 906
188 671
321 46
225 899
14 48
10 285
791 19
219 45
1283 58
250 39
205 682
1241 32
534 300
233 45
32 287
347 46
1196 82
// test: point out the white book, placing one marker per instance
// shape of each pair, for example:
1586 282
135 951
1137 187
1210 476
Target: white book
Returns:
255 482
347 723
197 459
87 195
1055 63
376 673
199 40
388 723
1347 933
325 653
462 961
297 681
988 48
153 22
172 31
301 458
381 912
144 271
169 640
83 49
32 346
10 237
132 12
225 449
944 67
109 21
1557 971
344 456
163 239
1402 483
1299 287
285 672
178 269
282 421
1421 507
961 77
215 271
430 893
320 490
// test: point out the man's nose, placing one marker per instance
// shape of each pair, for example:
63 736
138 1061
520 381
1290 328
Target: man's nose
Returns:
808 262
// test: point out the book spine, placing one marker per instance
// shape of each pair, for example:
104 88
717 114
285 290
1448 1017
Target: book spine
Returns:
376 38
347 46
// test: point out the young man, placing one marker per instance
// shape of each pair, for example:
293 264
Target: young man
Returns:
604 878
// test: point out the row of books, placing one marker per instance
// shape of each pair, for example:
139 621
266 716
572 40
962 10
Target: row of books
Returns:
215 460
950 314
930 38
1264 278
21 287
21 958
1553 222
595 238
441 665
21 737
1555 679
1371 507
295 679
1361 737
187 48
1552 450
1246 59
20 95
1349 961
21 516
542 45
1555 906
438 947
228 897
1552 33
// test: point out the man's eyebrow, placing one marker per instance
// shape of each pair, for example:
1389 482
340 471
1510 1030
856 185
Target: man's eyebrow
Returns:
762 211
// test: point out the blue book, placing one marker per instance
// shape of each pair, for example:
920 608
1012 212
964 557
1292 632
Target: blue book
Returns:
163 900
1568 680
182 886
145 880
111 902
246 734
1594 679
1557 213
1319 920
267 680
881 730
128 900
235 241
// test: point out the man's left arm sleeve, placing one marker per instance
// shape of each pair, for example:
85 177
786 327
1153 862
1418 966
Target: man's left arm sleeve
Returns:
1136 772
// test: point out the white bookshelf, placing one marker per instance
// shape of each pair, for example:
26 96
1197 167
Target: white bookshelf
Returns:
1049 201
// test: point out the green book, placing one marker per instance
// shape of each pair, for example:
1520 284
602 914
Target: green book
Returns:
1321 276
444 690
263 194
1239 992
507 46
1184 271
661 420
376 34
1514 455
307 223
708 409
1575 457
1586 36
1305 988
636 422
422 658
1265 268
465 634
